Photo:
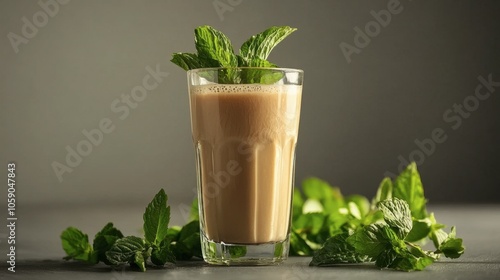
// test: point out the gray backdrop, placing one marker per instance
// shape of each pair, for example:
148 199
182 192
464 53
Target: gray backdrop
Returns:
403 81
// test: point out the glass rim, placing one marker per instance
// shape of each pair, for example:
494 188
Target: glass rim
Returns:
282 69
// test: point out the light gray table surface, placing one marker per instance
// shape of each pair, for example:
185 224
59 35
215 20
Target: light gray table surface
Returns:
39 253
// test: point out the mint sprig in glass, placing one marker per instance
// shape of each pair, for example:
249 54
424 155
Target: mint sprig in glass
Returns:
214 50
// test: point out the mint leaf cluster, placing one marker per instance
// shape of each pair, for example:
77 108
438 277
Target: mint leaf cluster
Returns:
384 242
160 243
387 231
214 49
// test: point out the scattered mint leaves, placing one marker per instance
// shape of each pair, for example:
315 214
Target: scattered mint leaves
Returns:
371 240
260 46
186 243
382 242
163 254
397 215
384 191
104 240
421 229
299 246
452 246
214 49
112 248
383 232
187 61
194 214
156 219
408 187
126 250
337 250
76 245
326 225
213 46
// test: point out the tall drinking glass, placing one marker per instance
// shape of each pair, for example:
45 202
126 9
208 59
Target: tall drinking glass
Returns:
245 123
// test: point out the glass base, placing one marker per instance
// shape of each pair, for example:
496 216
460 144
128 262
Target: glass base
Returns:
272 253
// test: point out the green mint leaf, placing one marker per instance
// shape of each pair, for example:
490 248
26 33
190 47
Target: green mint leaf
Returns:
242 62
268 77
260 76
437 234
361 202
297 202
188 242
214 49
312 206
315 188
194 214
397 215
408 187
354 210
420 230
309 223
156 218
408 262
386 258
384 191
186 61
173 233
371 240
260 45
212 45
76 245
330 197
374 216
298 246
162 254
124 250
417 251
140 261
237 251
398 256
337 250
278 250
452 246
104 240
257 62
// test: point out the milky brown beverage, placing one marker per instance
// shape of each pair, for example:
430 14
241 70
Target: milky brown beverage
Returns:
245 137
